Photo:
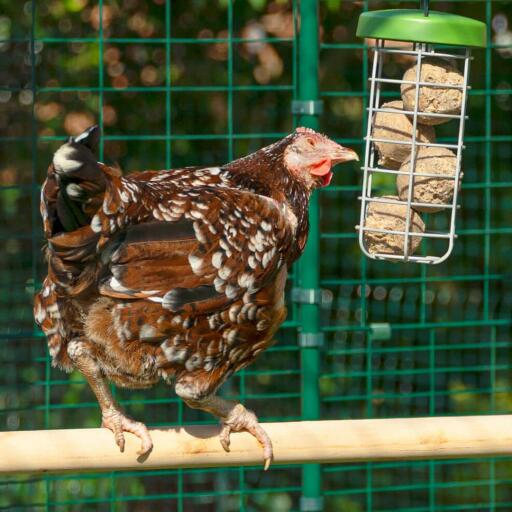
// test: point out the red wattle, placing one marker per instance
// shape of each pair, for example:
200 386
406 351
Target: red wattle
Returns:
326 179
321 168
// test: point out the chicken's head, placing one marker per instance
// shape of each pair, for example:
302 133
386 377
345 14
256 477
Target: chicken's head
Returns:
310 157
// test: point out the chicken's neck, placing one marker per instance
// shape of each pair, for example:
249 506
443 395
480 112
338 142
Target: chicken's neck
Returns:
264 174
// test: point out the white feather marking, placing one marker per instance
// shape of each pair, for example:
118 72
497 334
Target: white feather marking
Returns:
195 262
167 215
150 292
212 322
223 244
217 259
199 234
82 136
267 257
259 240
74 348
63 159
231 291
224 272
230 336
245 280
233 312
40 314
173 354
193 362
195 214
219 284
124 197
213 170
252 262
265 226
131 186
117 286
209 364
157 214
74 190
147 332
53 309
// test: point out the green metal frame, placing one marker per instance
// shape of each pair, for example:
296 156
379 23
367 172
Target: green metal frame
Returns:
309 265
413 25
398 341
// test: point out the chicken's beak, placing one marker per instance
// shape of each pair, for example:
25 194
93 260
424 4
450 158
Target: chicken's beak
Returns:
341 154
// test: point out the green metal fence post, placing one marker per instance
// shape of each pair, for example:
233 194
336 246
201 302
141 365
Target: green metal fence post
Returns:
308 276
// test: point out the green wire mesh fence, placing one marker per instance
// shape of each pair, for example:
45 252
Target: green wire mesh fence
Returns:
191 83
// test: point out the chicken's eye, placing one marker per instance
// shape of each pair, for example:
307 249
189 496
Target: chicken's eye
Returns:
311 142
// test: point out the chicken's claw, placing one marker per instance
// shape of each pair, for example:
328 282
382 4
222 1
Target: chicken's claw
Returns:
240 419
117 422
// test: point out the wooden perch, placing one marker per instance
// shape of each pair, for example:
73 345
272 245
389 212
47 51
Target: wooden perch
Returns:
294 442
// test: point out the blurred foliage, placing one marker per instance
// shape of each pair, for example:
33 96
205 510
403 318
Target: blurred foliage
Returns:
214 81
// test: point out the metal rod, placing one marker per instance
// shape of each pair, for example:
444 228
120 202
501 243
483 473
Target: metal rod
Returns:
412 160
417 234
406 173
309 265
412 82
429 53
411 113
369 152
425 7
405 203
409 143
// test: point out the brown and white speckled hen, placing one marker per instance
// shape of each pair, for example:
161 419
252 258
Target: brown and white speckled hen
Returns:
176 275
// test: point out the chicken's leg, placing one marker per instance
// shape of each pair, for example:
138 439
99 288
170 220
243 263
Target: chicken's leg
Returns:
112 414
235 417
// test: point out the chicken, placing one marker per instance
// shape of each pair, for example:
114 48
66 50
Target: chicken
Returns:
176 275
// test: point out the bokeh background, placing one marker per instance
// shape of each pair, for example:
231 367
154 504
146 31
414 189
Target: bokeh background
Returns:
197 82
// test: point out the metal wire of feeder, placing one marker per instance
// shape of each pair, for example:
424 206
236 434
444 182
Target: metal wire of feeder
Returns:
434 35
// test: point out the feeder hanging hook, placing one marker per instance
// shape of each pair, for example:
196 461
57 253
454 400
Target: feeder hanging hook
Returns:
425 7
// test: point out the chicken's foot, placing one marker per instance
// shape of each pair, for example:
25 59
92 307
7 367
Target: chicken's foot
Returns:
235 417
115 420
113 417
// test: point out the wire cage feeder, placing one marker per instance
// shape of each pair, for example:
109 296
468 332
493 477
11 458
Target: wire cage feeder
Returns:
436 50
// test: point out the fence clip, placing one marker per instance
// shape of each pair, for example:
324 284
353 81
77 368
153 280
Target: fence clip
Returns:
312 296
311 339
380 331
308 107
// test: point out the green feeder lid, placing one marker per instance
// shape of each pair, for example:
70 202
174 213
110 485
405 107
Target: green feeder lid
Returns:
413 25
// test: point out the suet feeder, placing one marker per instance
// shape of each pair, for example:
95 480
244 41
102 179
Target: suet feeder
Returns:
406 167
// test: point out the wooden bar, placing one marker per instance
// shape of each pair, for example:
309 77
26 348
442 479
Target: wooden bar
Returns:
294 442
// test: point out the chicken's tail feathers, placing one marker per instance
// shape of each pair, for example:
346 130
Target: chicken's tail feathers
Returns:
89 138
75 160
75 186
